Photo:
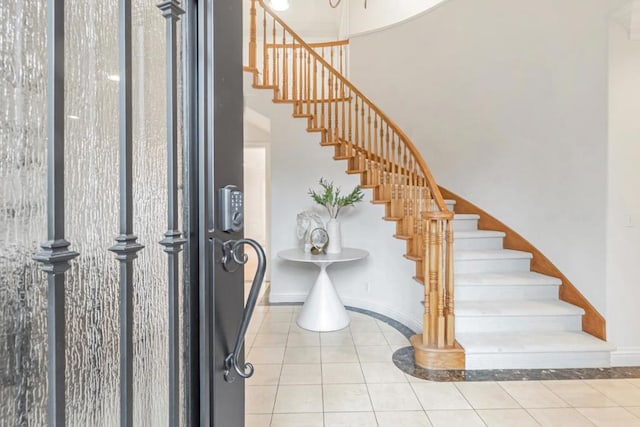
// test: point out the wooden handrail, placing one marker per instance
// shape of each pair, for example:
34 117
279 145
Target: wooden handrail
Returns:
316 45
423 165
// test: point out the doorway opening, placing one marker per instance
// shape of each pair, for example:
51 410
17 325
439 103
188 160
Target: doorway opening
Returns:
257 190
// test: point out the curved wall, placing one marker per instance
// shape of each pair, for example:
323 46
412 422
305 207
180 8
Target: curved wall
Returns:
507 101
623 234
383 13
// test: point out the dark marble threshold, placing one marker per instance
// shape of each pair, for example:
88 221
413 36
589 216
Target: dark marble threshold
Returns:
408 333
403 359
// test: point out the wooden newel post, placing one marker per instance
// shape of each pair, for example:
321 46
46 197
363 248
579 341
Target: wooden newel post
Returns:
435 287
436 347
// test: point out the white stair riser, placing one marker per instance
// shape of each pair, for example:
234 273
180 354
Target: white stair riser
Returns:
478 243
465 224
467 324
507 292
555 360
450 206
491 265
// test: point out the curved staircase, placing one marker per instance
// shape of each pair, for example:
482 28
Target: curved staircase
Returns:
506 312
510 317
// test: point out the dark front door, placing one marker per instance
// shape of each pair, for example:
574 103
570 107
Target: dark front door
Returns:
214 160
92 331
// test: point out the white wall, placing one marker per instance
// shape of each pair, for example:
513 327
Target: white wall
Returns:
255 173
623 204
383 281
507 101
383 13
257 223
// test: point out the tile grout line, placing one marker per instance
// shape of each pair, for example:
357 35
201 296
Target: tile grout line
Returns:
532 416
366 385
322 383
541 383
275 398
565 400
359 362
539 423
475 411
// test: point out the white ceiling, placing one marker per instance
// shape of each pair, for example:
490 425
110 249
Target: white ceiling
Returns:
313 20
316 20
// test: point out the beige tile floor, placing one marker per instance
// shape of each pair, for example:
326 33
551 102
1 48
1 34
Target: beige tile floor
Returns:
346 378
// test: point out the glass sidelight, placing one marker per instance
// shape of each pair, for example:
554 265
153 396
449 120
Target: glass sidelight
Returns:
92 177
93 137
119 326
23 171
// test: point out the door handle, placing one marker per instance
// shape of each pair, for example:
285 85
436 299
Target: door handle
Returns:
232 259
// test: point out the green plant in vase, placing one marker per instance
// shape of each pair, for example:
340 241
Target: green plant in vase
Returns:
333 201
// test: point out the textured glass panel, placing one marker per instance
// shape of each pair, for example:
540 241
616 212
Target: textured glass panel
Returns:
150 204
91 176
93 211
23 366
180 100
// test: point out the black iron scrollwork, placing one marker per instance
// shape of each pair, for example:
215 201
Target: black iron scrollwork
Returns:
233 258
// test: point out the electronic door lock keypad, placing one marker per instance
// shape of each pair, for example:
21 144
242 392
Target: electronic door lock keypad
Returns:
230 209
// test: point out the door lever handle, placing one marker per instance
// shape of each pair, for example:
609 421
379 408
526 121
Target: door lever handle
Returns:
232 255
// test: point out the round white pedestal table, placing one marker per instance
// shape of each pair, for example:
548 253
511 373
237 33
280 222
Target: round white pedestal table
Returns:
323 310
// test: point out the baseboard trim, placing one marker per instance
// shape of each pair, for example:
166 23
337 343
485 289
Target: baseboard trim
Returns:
280 298
414 324
625 356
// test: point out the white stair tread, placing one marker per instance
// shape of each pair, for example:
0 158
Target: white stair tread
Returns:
449 202
465 216
477 234
490 254
515 278
517 308
533 342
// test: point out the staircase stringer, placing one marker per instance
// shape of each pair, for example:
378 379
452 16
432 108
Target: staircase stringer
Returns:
592 321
